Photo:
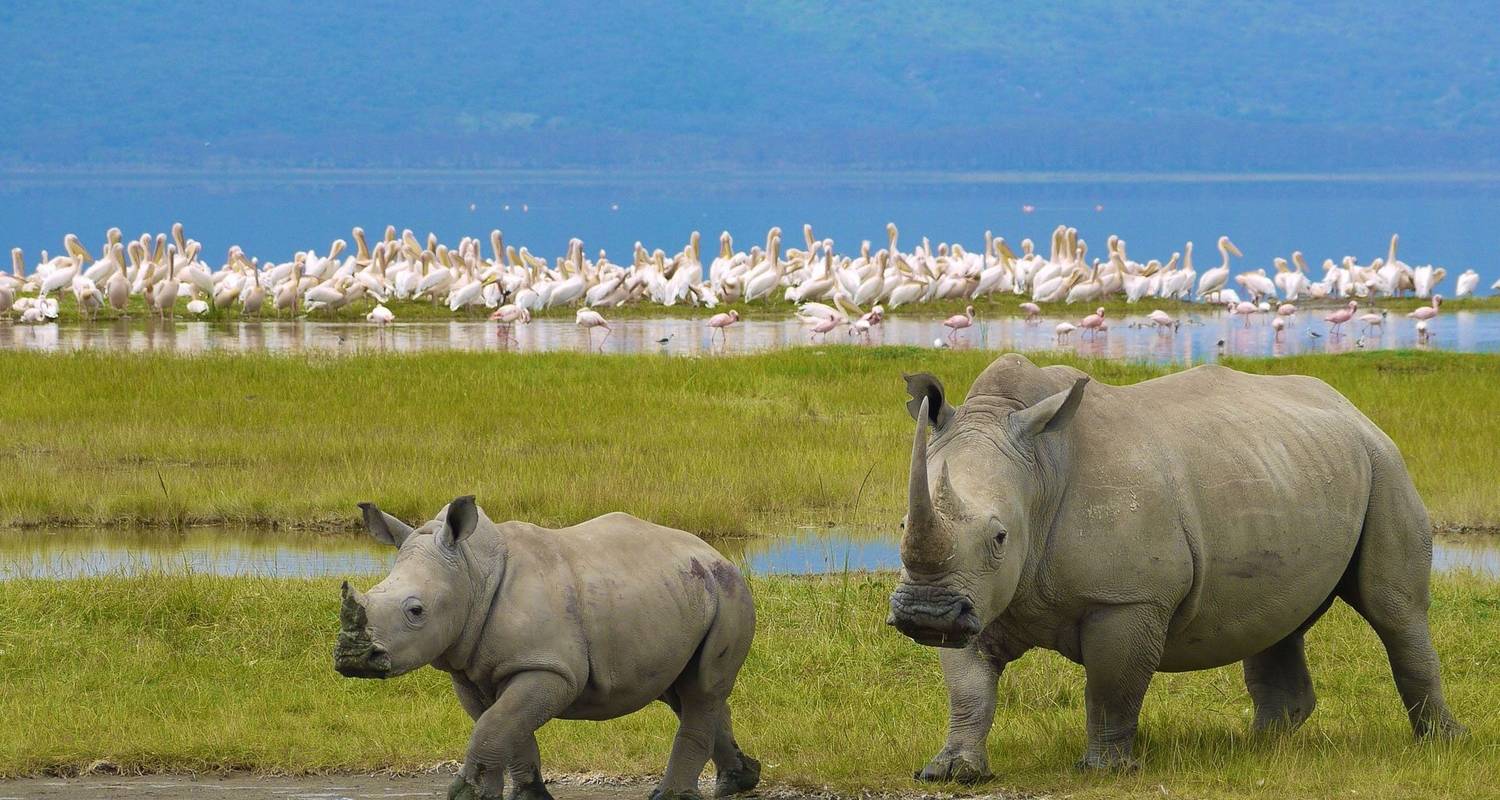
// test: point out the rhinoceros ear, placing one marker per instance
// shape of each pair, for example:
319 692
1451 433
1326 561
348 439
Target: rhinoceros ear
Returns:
383 527
462 516
925 386
1051 414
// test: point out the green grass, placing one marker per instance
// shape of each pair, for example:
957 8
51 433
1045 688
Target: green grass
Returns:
719 446
201 673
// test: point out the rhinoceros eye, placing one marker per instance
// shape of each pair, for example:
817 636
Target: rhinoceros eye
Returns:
415 613
1000 537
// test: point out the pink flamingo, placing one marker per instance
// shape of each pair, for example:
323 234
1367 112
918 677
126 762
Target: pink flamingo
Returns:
1338 318
1063 329
721 321
824 325
1033 311
865 324
1285 310
1428 312
1245 310
958 322
1279 324
1093 322
508 315
589 319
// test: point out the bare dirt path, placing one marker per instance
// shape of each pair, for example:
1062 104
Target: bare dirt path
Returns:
255 787
362 787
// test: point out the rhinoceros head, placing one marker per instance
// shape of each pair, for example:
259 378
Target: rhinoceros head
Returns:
973 503
419 611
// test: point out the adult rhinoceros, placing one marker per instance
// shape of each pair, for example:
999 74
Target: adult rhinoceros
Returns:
589 622
1182 523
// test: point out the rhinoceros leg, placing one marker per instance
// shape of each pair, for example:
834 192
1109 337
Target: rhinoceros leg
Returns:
699 696
1121 648
972 676
698 720
1388 585
504 740
737 772
1280 686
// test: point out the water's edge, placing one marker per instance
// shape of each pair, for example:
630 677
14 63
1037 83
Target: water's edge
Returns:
83 552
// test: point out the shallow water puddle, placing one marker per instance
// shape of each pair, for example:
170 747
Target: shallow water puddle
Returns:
75 553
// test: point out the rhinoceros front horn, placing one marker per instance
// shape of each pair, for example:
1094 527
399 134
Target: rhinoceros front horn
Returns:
925 546
352 616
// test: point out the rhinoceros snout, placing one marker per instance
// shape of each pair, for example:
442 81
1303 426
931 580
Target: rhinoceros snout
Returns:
361 661
933 615
356 655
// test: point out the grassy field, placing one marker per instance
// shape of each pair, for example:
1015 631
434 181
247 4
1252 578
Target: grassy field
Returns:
199 673
719 446
991 306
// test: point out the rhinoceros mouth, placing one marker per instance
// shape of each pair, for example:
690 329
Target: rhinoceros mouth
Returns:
356 656
933 615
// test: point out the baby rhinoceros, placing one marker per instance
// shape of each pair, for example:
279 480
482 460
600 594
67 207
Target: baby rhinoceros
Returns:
589 622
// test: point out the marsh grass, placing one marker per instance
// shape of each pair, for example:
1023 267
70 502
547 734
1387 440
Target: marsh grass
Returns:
718 446
197 673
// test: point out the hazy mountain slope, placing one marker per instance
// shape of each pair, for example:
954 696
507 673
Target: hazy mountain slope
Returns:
917 83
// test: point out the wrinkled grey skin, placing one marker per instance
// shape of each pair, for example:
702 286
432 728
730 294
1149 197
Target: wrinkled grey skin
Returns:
589 622
1182 523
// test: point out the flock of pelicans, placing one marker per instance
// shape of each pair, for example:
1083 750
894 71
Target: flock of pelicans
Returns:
830 289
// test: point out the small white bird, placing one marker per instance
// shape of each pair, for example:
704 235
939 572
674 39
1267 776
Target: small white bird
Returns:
380 315
197 307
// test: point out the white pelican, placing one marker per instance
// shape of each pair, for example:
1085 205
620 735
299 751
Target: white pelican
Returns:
1213 280
1467 283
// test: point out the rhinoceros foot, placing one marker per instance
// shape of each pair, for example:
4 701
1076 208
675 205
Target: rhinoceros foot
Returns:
741 780
955 766
461 789
1107 763
668 794
1443 729
534 790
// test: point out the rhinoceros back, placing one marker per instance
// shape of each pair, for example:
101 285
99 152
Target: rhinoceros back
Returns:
1245 494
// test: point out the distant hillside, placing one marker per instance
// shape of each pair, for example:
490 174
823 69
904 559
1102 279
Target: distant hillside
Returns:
914 84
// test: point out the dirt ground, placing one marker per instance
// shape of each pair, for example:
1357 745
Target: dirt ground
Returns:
254 787
360 787
245 786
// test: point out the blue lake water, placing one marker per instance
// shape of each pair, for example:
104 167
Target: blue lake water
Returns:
74 553
1128 338
272 214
